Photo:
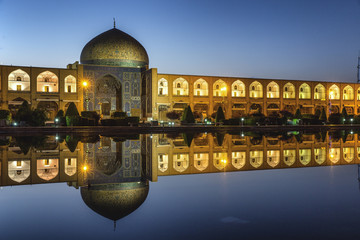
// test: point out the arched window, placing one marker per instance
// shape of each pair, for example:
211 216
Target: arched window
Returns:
348 93
19 171
256 90
70 166
256 158
18 80
289 156
305 91
47 169
334 155
163 87
305 156
47 82
163 162
238 159
220 89
349 154
273 90
201 88
319 92
273 158
220 160
70 84
135 89
180 87
201 161
238 89
320 155
334 92
358 93
289 91
180 161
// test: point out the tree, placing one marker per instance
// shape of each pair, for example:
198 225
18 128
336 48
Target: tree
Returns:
188 116
318 113
173 115
197 114
220 116
344 115
298 114
72 115
322 116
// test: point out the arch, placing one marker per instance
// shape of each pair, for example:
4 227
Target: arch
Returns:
334 155
18 80
289 156
334 92
238 159
305 156
50 108
70 84
180 87
107 89
201 88
358 93
320 155
349 154
19 171
219 88
304 91
181 162
273 158
256 158
47 169
201 161
256 90
163 89
47 82
273 90
348 93
135 89
70 166
238 89
320 92
220 160
289 90
163 162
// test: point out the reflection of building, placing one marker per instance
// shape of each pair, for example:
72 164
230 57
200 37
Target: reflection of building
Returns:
118 170
115 67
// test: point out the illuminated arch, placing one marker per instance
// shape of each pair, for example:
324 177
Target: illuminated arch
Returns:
348 154
201 161
219 88
334 155
304 91
320 155
19 171
70 84
334 92
220 160
47 82
238 159
238 89
305 156
201 88
289 90
70 166
273 90
348 93
180 87
319 92
163 162
358 93
180 162
256 158
289 156
163 87
273 158
18 80
256 90
47 169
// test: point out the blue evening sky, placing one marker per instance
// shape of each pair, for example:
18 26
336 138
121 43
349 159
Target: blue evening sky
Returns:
308 39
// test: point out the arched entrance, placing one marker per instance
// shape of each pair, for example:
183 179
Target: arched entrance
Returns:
50 108
108 94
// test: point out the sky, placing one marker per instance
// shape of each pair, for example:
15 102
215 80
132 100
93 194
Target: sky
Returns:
281 39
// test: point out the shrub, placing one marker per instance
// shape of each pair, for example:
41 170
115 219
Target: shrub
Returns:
72 115
322 116
60 113
92 118
173 115
188 116
220 116
335 118
298 114
118 114
5 114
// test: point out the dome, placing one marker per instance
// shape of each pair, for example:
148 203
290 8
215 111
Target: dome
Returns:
115 201
114 48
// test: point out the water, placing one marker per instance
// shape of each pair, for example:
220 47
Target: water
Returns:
154 186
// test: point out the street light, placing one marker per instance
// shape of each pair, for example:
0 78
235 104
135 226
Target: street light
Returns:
85 85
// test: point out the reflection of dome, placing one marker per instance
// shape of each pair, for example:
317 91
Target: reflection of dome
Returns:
115 201
114 48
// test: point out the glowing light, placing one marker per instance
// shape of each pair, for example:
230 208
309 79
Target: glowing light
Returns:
85 84
85 168
332 155
223 160
223 89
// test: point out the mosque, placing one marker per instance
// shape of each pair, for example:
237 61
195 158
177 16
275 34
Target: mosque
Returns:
114 75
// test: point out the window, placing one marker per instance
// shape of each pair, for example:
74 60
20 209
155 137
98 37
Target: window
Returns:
198 86
69 88
253 88
18 87
286 89
178 86
301 89
18 163
217 87
18 79
46 88
46 162
69 161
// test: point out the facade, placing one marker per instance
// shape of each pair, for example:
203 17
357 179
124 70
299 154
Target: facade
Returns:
113 75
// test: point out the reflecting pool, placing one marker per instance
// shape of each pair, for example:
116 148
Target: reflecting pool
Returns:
181 186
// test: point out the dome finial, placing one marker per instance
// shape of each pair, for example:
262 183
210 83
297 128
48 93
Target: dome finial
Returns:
114 23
